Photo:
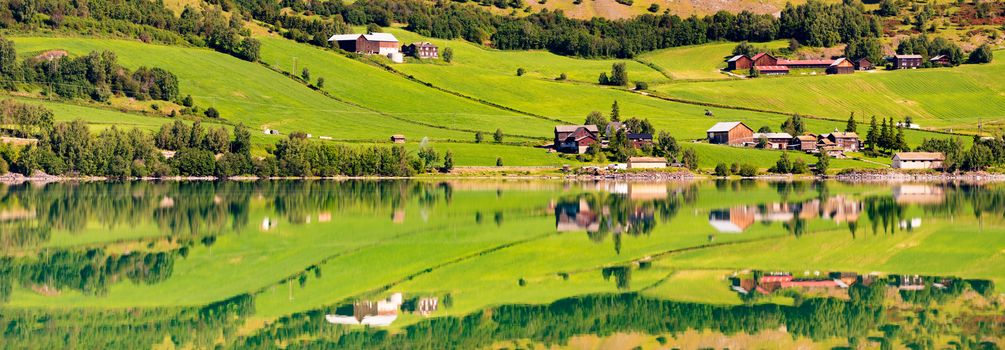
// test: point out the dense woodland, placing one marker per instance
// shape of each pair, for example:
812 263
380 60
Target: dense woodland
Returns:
146 20
814 23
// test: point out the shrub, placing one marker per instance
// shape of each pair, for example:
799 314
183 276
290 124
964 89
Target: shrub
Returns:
654 8
721 169
520 71
641 85
748 170
499 161
212 113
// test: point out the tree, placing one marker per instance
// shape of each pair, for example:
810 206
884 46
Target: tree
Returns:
187 101
498 136
305 74
794 125
900 143
448 162
721 169
885 135
373 28
982 54
748 170
764 129
619 74
888 8
783 165
595 118
744 48
479 137
852 126
654 8
448 54
499 161
762 142
8 58
667 147
429 158
520 71
194 162
321 83
615 112
799 167
823 163
212 113
242 140
872 138
639 126
690 159
603 79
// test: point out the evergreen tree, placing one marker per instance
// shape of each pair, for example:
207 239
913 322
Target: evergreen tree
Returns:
900 143
615 112
872 138
852 126
448 161
823 163
885 136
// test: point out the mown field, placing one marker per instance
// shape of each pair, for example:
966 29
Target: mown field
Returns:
700 62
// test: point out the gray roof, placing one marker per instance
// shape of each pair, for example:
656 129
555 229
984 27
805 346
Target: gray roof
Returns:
344 37
773 135
723 126
837 61
735 58
573 128
380 37
908 56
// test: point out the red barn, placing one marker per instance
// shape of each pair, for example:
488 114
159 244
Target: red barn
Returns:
739 62
575 138
764 59
730 133
373 43
841 66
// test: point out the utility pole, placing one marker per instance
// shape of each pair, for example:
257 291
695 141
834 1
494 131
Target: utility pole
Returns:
294 71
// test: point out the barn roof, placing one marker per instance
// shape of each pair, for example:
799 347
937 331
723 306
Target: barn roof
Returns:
837 62
939 57
573 128
907 56
773 135
724 126
380 37
804 62
344 37
762 54
736 58
920 156
772 68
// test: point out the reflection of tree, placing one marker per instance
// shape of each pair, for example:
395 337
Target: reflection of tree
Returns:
622 275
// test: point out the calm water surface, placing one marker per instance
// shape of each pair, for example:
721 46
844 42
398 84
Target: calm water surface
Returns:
502 265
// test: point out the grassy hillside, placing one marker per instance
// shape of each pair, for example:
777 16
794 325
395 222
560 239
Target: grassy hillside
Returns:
684 8
944 99
701 62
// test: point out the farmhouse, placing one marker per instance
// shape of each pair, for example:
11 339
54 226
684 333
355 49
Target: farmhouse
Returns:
398 138
730 133
612 128
640 140
841 66
739 62
848 141
764 59
647 163
940 60
575 138
368 44
906 61
918 160
733 220
422 50
775 140
805 143
864 64
772 70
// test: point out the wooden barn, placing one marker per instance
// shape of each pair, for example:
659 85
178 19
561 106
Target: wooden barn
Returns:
739 62
775 140
864 64
368 44
730 133
906 61
940 60
764 59
806 64
841 66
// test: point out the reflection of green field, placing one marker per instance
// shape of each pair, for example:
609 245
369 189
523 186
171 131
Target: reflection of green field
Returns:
440 249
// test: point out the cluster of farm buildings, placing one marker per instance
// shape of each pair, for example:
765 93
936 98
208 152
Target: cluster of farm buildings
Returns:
772 282
576 139
767 64
834 144
384 44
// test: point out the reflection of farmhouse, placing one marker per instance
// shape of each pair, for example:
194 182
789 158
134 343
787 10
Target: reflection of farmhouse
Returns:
575 216
918 194
732 220
380 313
839 209
771 282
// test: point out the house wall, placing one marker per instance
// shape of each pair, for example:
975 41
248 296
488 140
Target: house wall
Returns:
743 63
766 61
740 134
647 165
907 63
914 164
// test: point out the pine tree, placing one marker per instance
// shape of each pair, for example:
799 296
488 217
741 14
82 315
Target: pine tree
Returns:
872 138
615 112
823 162
852 125
884 136
900 143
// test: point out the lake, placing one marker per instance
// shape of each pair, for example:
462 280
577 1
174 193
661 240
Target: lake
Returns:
405 264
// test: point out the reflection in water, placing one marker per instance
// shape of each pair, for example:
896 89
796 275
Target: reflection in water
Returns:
839 209
41 261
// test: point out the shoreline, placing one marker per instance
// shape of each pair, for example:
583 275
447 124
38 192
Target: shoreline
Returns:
16 179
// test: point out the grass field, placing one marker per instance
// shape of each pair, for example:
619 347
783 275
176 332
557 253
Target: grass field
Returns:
700 62
943 99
